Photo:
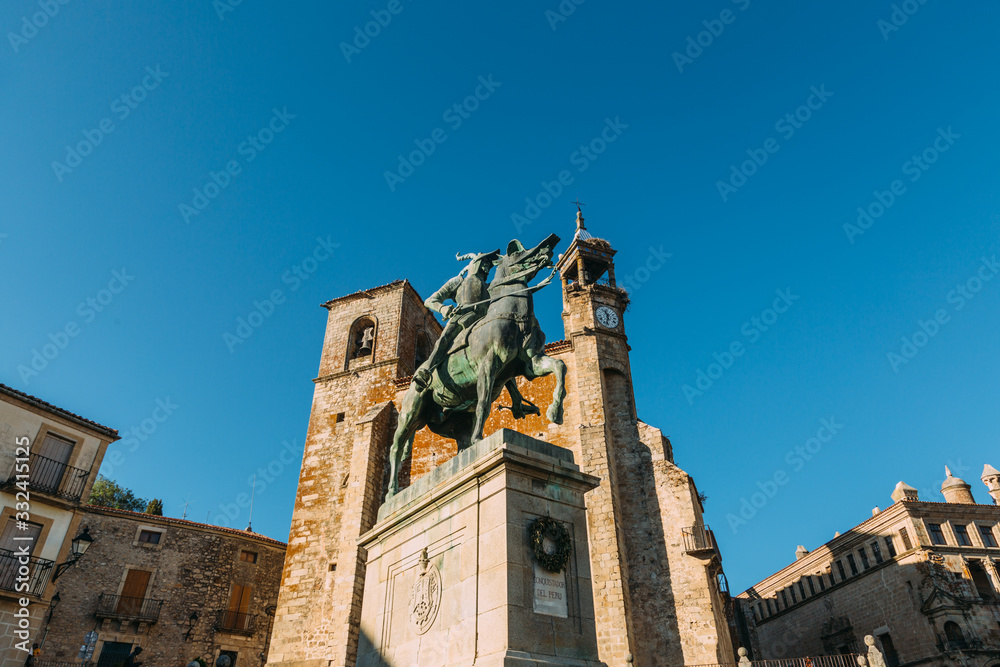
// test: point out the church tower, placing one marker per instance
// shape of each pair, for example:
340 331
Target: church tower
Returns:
656 573
655 565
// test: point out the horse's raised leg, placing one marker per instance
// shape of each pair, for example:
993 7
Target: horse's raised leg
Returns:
484 389
402 441
541 365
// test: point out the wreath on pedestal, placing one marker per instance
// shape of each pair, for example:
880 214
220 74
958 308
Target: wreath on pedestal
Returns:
547 527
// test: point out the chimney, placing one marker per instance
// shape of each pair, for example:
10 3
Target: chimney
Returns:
904 491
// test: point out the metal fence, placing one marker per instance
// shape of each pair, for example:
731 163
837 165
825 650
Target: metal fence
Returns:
846 660
14 573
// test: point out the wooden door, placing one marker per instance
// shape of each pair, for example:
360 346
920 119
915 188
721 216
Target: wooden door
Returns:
133 592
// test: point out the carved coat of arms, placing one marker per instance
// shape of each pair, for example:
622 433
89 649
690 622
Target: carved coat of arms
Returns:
425 596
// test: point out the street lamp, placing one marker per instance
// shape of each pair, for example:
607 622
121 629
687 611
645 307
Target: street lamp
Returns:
192 619
80 545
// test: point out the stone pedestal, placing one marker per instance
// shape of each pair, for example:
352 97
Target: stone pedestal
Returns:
451 577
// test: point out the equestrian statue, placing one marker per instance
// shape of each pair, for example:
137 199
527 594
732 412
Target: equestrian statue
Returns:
491 338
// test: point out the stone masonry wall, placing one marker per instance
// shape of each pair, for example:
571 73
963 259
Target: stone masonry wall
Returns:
193 568
633 506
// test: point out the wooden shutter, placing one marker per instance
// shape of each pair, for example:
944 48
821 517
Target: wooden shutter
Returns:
239 599
57 451
10 531
239 605
133 592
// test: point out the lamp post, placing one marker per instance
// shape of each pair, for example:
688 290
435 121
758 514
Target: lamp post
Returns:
80 545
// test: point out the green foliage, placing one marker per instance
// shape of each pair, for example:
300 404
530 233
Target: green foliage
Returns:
155 507
108 493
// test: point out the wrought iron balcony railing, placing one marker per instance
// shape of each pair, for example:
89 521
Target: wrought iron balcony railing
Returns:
235 621
847 660
16 572
52 477
128 608
699 540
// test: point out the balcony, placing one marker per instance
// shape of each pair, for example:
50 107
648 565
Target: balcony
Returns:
13 578
235 622
128 609
699 541
51 477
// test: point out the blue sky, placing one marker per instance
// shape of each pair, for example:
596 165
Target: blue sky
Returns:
250 155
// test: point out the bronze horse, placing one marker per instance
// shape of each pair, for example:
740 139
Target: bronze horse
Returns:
505 344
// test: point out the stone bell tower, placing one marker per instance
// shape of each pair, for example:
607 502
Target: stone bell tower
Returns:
655 566
655 573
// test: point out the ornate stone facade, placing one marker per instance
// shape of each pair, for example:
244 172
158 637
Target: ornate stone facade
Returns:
655 566
921 577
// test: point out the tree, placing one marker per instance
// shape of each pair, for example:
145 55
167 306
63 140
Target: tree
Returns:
155 507
108 493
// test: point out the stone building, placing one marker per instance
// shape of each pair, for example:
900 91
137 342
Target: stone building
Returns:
49 458
177 588
658 587
922 577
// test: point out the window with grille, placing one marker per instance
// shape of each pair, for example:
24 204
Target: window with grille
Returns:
876 551
853 564
248 556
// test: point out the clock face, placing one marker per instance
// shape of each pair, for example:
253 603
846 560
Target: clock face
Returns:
606 317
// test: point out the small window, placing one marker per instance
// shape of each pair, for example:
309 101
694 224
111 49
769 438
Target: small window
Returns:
248 556
784 599
962 535
149 537
840 567
937 535
812 586
890 547
987 534
853 563
905 536
333 567
822 583
769 609
339 417
802 589
864 558
876 551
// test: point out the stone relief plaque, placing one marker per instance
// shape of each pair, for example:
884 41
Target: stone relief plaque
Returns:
549 593
425 596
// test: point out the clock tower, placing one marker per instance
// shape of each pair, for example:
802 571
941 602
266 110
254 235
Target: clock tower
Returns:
657 601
